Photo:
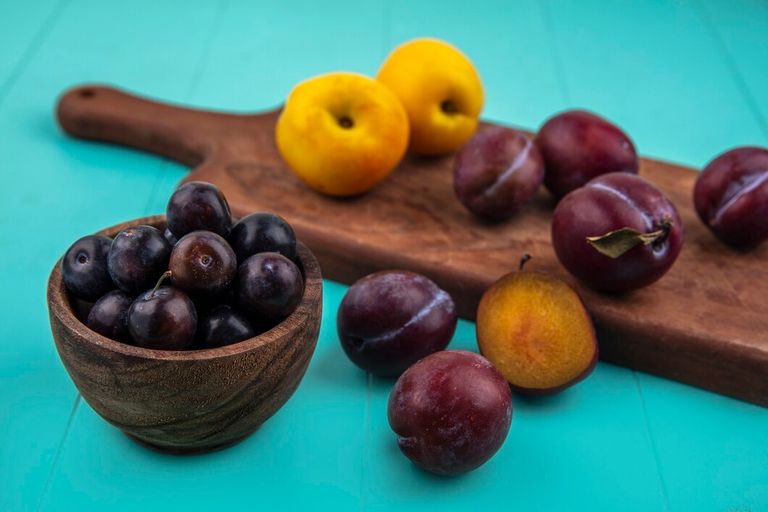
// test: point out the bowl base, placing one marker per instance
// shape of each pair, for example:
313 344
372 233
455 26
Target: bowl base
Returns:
185 450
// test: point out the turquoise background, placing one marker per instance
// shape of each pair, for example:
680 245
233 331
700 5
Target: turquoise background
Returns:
687 80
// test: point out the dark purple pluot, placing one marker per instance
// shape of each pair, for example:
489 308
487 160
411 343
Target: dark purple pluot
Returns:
389 320
222 326
108 316
170 237
198 205
202 262
84 268
609 203
578 146
497 173
269 286
137 258
262 232
163 319
451 412
731 196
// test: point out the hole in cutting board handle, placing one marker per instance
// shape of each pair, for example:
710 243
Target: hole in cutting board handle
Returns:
87 93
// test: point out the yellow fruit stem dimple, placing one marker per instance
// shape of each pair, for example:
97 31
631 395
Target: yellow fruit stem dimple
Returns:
449 107
346 122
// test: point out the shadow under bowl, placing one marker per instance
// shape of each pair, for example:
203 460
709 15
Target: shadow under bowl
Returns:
188 401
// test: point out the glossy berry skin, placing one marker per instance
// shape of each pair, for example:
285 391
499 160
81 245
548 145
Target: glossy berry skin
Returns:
108 316
578 146
451 412
731 196
222 326
202 262
84 268
137 258
262 232
163 320
497 173
198 205
269 286
170 237
389 320
606 204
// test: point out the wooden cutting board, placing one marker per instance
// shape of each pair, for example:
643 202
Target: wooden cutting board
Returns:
704 323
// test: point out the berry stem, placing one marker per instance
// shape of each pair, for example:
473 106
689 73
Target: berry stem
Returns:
163 277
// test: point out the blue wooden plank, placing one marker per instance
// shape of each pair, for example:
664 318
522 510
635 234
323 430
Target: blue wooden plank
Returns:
59 190
595 446
508 43
654 68
22 30
713 450
266 50
739 29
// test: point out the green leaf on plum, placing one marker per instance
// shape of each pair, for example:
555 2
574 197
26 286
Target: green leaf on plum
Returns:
615 243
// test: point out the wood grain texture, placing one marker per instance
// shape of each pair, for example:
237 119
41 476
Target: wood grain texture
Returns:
188 401
704 323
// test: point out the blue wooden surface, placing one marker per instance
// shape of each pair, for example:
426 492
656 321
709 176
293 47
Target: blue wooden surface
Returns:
686 79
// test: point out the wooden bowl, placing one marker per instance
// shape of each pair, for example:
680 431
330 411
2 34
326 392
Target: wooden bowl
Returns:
188 401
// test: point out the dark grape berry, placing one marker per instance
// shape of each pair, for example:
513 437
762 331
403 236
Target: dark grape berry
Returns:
108 316
163 319
170 237
262 232
269 286
84 268
198 205
137 258
223 326
202 262
389 320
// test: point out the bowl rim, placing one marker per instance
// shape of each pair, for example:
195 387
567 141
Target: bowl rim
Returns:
60 307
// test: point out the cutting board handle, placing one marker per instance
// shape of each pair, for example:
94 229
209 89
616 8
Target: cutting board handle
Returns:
103 113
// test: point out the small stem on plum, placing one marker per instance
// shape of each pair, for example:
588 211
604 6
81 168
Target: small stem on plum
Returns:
163 277
523 260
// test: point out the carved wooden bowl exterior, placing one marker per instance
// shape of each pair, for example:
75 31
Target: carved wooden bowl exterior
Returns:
188 401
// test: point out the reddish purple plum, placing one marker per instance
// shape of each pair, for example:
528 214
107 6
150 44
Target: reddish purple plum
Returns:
578 146
731 196
389 320
497 173
617 233
451 412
